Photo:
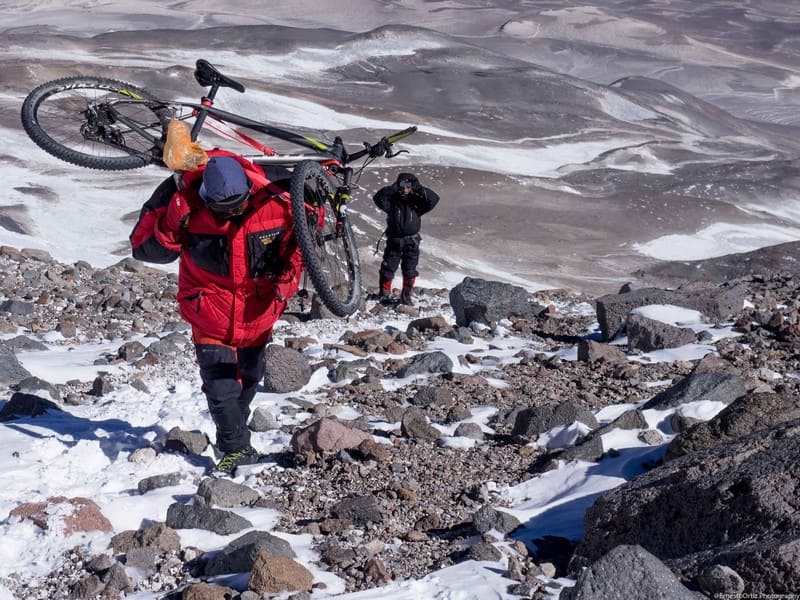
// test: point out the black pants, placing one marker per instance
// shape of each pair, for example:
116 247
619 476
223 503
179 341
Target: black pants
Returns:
230 377
402 251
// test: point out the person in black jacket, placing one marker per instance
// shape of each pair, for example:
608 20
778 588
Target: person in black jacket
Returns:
404 202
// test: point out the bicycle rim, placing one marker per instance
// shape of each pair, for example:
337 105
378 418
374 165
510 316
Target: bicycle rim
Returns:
69 119
331 258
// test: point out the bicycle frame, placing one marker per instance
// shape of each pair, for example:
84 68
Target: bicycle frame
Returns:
331 156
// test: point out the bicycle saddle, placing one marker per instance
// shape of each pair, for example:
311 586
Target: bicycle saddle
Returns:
207 75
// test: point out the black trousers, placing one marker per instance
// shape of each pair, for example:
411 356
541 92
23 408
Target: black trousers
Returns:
402 251
230 377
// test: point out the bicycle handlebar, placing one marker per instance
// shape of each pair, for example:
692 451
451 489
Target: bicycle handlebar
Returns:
382 148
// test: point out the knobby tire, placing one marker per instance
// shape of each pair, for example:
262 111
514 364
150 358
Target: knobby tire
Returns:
331 261
53 115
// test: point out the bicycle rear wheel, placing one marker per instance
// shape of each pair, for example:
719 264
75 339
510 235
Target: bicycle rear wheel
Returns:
330 257
96 123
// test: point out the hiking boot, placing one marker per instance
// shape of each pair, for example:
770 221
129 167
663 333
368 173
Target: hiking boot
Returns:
406 296
232 460
385 288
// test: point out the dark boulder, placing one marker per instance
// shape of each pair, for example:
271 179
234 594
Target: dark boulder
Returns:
26 405
648 334
428 362
627 573
717 303
746 415
490 301
733 504
240 555
716 387
11 372
538 419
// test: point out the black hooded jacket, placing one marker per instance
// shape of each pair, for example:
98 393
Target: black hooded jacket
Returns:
403 213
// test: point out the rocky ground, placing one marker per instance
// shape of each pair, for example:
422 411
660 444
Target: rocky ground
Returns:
357 500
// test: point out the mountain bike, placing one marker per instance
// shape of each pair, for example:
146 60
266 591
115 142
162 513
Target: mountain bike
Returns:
112 125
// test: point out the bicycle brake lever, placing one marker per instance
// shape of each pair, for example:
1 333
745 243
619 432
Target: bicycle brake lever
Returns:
375 150
388 155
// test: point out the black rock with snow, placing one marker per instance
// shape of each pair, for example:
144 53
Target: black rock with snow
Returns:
630 419
131 350
155 482
427 362
240 554
226 493
24 344
414 425
37 387
539 419
716 303
469 430
102 385
648 334
490 301
743 417
26 405
651 437
487 518
11 372
263 420
287 370
193 516
346 370
714 387
733 503
185 442
627 572
159 537
463 335
162 348
591 351
589 449
483 551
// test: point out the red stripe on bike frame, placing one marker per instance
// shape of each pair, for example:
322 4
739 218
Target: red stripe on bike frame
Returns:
266 150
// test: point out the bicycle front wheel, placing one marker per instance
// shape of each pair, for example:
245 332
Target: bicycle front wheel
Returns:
328 248
96 123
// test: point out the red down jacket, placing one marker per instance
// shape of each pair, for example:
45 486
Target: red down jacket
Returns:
235 276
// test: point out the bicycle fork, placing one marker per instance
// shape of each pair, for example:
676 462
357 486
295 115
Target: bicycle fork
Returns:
340 200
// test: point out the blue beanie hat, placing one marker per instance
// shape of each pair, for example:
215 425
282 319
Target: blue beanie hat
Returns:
223 178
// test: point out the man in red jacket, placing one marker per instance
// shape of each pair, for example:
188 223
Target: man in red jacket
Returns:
239 265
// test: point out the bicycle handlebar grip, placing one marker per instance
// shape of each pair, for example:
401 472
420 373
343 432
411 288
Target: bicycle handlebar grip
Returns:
401 134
